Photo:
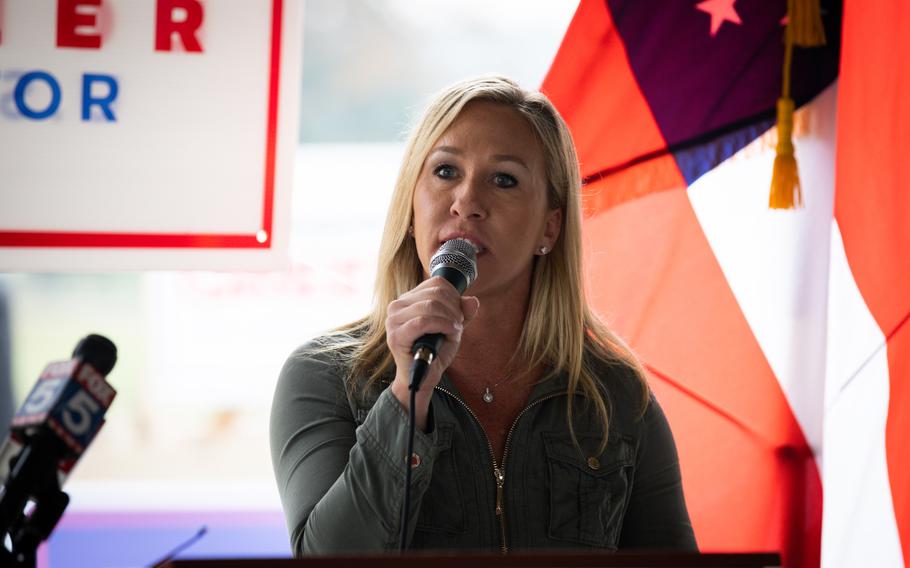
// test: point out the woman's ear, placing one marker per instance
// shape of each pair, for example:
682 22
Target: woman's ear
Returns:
552 228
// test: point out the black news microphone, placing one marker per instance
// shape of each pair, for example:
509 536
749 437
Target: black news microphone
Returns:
456 261
69 400
57 421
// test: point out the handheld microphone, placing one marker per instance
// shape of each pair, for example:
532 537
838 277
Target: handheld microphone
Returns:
456 262
58 420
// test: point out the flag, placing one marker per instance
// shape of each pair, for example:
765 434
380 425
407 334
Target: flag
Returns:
867 421
725 301
659 93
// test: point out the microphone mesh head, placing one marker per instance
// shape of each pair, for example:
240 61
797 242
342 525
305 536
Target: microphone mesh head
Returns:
458 254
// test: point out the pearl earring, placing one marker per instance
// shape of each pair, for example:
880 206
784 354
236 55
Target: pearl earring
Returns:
543 250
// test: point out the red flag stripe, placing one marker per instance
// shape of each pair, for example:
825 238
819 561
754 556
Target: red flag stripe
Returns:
656 280
872 203
609 115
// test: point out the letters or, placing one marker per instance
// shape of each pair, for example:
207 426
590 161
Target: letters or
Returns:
99 92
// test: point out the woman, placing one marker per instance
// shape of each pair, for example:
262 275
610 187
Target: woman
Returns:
535 427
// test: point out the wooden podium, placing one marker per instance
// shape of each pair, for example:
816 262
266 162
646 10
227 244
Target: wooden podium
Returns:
530 560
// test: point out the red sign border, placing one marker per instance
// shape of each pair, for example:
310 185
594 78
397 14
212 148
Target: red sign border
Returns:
260 240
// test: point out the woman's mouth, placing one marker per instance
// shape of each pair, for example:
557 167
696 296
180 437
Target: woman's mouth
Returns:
479 248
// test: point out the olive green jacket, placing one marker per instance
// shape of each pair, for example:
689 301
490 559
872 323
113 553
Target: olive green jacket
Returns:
339 459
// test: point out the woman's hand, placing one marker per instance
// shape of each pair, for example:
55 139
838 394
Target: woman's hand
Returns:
434 306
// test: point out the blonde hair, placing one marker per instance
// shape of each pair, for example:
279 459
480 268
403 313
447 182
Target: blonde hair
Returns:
560 331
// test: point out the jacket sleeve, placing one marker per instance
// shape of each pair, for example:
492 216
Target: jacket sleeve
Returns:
341 486
657 517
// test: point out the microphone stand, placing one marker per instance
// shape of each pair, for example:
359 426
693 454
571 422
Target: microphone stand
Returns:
33 476
456 263
423 357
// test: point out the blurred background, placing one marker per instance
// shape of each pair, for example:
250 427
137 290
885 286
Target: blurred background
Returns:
186 442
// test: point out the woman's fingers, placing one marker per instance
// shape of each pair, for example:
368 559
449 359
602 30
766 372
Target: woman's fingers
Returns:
469 307
433 297
429 307
433 306
403 336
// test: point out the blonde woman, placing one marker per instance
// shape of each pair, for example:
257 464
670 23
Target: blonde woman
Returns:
535 427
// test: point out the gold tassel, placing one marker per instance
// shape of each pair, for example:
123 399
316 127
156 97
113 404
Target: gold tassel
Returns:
785 189
805 29
805 19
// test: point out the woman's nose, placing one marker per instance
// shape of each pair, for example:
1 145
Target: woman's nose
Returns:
468 199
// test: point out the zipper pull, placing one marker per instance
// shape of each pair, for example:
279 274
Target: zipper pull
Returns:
500 481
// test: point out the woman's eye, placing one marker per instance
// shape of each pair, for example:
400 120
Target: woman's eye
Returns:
504 180
444 171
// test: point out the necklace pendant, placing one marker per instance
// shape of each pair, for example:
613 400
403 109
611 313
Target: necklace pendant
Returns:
488 396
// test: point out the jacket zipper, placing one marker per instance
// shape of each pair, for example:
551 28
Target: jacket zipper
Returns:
499 473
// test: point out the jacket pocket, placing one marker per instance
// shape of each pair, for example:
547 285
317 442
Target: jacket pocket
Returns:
588 491
442 506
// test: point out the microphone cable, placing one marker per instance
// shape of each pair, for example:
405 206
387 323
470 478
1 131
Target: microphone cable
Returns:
455 262
419 368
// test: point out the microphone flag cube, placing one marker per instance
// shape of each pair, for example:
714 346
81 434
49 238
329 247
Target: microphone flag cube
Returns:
69 400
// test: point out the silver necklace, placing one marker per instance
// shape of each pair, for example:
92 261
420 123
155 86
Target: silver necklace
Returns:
488 390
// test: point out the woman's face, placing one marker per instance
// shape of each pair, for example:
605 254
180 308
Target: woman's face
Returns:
485 180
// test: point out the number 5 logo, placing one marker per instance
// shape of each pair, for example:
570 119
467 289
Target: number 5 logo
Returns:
77 415
43 396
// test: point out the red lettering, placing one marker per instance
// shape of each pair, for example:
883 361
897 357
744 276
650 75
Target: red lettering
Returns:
68 19
59 369
95 384
166 26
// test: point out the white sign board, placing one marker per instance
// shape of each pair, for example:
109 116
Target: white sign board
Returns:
145 134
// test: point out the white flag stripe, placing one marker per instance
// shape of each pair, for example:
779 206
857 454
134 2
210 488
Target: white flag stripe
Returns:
776 262
858 523
789 275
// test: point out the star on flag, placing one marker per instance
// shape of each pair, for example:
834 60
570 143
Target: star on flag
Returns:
721 11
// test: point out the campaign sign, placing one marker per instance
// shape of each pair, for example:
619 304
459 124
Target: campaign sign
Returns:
145 134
